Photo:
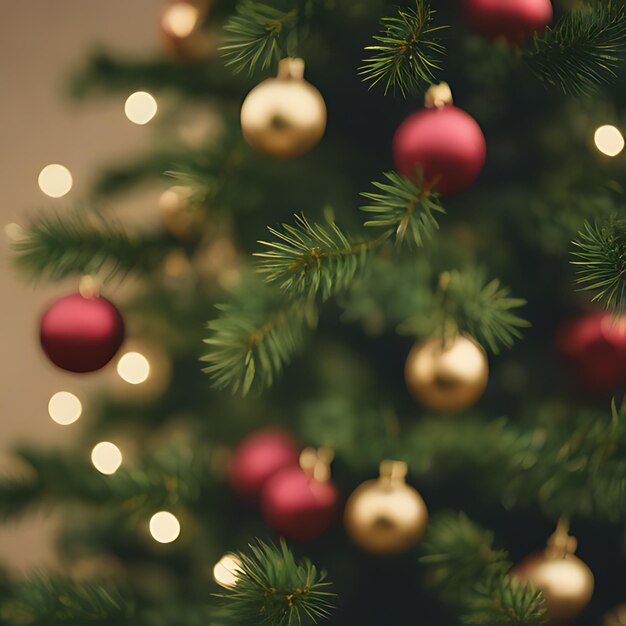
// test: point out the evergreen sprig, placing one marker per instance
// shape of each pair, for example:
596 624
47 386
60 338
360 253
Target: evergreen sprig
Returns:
600 253
273 589
582 51
309 257
403 208
255 36
407 52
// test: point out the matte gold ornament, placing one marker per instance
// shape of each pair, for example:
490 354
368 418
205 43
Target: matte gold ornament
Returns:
447 374
385 515
180 215
565 581
285 116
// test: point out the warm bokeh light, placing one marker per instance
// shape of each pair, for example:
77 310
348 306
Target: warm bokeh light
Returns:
140 107
164 527
106 457
180 19
55 180
64 408
226 569
13 231
134 368
609 140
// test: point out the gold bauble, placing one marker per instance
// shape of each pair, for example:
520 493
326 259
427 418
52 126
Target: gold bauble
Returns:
565 581
285 116
180 215
386 516
447 374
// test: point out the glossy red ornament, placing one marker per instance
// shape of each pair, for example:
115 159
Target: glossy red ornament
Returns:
257 458
516 20
81 334
446 143
297 506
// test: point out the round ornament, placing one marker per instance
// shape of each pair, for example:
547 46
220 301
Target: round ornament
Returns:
515 20
180 215
81 334
442 143
300 503
385 515
284 117
447 374
257 458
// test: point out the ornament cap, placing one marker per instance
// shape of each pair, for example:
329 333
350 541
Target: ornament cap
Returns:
438 96
291 68
561 544
393 471
89 286
316 463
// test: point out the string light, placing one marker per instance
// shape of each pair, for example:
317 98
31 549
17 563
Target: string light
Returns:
164 527
106 457
134 368
180 19
140 107
55 180
64 408
226 570
609 140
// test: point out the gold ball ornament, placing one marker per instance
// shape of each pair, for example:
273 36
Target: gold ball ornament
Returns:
447 374
284 117
385 515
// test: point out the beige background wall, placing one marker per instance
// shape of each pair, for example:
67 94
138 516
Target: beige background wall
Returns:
40 41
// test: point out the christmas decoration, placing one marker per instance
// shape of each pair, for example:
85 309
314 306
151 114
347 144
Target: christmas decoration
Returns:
181 29
257 458
443 142
565 581
515 20
81 334
447 374
180 215
385 515
595 346
300 503
284 117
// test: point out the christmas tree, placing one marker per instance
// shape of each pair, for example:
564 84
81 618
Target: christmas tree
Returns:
372 357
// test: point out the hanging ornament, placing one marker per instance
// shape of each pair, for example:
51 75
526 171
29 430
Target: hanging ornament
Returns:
447 374
515 20
284 117
441 141
385 515
81 333
300 503
181 28
180 215
565 581
595 347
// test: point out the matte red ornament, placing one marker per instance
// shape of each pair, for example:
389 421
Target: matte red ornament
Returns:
515 20
81 334
445 143
297 506
257 458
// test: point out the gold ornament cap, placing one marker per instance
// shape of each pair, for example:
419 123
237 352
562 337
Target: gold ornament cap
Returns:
316 463
438 96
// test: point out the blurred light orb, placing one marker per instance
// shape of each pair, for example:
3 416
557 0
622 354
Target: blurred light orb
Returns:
164 527
226 570
64 408
55 180
180 19
13 231
609 140
106 457
140 107
134 368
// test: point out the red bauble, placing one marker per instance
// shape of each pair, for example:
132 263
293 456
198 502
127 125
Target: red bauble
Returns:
257 458
81 334
297 506
516 20
446 143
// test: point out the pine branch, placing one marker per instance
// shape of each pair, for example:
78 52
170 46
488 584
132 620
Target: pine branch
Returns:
403 208
309 257
54 247
582 51
600 251
273 589
256 34
408 50
254 337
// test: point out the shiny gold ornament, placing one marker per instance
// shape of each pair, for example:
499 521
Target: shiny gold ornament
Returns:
285 116
617 617
180 215
385 515
565 581
447 374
